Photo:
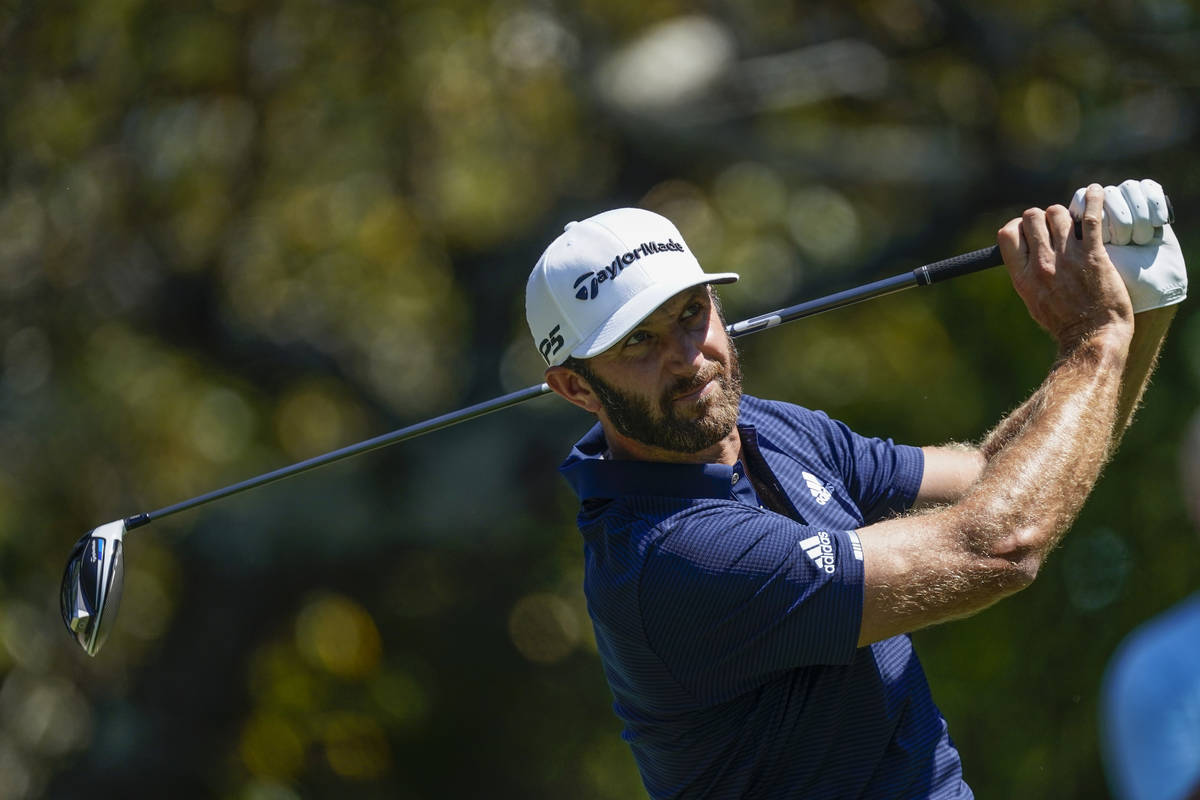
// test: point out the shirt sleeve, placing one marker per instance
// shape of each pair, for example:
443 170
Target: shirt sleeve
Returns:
731 594
883 477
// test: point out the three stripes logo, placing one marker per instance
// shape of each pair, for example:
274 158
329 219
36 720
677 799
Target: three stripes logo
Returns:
820 491
855 545
820 549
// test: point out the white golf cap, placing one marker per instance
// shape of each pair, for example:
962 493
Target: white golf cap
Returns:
604 275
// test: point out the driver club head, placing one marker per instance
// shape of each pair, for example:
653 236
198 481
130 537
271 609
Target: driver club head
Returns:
91 585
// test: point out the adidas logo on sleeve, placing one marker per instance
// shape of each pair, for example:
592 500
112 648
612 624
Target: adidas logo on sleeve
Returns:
820 549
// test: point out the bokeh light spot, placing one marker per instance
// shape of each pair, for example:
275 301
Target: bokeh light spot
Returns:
823 223
532 40
687 206
271 747
24 636
282 681
670 64
337 634
521 365
401 696
22 225
27 360
543 628
1095 567
1053 112
967 95
221 425
47 714
16 772
750 194
316 417
355 746
769 268
268 790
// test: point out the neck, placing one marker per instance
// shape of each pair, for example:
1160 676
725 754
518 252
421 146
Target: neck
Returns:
726 451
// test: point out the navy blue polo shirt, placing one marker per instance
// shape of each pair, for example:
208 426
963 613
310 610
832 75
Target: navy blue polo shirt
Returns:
727 602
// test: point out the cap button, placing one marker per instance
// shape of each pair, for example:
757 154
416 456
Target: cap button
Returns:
570 225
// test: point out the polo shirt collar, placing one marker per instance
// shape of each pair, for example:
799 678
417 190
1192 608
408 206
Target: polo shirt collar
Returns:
592 476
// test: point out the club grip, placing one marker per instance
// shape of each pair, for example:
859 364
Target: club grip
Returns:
957 266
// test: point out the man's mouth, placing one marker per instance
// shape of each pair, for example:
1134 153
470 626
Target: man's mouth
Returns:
702 387
697 393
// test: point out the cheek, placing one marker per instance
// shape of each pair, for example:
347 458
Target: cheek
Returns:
717 343
635 378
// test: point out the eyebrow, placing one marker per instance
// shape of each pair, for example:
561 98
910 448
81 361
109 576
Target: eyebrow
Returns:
695 293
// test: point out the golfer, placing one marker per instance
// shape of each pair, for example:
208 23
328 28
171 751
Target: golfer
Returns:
750 572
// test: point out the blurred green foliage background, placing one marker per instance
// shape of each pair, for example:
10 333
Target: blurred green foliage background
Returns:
237 234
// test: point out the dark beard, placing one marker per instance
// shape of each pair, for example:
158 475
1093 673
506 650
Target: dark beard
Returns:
633 416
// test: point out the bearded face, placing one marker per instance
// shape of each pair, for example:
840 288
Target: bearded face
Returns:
664 421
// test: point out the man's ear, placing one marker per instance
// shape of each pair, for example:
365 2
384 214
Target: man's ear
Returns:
572 386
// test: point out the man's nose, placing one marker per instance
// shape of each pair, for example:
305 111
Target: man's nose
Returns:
684 353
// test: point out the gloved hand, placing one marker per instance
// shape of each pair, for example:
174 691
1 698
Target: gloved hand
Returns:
1150 264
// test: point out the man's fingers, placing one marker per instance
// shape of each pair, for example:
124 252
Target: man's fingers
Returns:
1013 248
1135 198
1078 201
1090 220
1118 216
1059 224
1156 200
1037 235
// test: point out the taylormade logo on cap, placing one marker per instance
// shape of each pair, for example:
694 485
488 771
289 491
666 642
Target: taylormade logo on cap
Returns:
603 276
590 288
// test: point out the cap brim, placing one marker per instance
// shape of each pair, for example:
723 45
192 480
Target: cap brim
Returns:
640 306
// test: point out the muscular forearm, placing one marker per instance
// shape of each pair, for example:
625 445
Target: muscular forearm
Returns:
1037 480
1004 432
993 541
1036 470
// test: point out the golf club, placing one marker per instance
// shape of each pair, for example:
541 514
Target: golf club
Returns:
94 575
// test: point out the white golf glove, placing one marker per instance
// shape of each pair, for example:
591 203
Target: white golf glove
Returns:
1151 264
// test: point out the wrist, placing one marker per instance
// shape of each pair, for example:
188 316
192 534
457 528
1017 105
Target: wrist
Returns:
1106 344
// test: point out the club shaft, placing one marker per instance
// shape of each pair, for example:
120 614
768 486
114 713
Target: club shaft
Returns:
400 435
921 276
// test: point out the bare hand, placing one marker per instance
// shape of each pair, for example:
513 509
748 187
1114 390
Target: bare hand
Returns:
1070 286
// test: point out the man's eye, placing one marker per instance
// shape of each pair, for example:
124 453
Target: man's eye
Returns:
637 337
692 310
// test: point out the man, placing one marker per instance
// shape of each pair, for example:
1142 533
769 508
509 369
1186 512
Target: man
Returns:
1151 698
749 582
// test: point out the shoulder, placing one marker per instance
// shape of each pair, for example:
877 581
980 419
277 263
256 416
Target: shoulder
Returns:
789 428
774 418
756 410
